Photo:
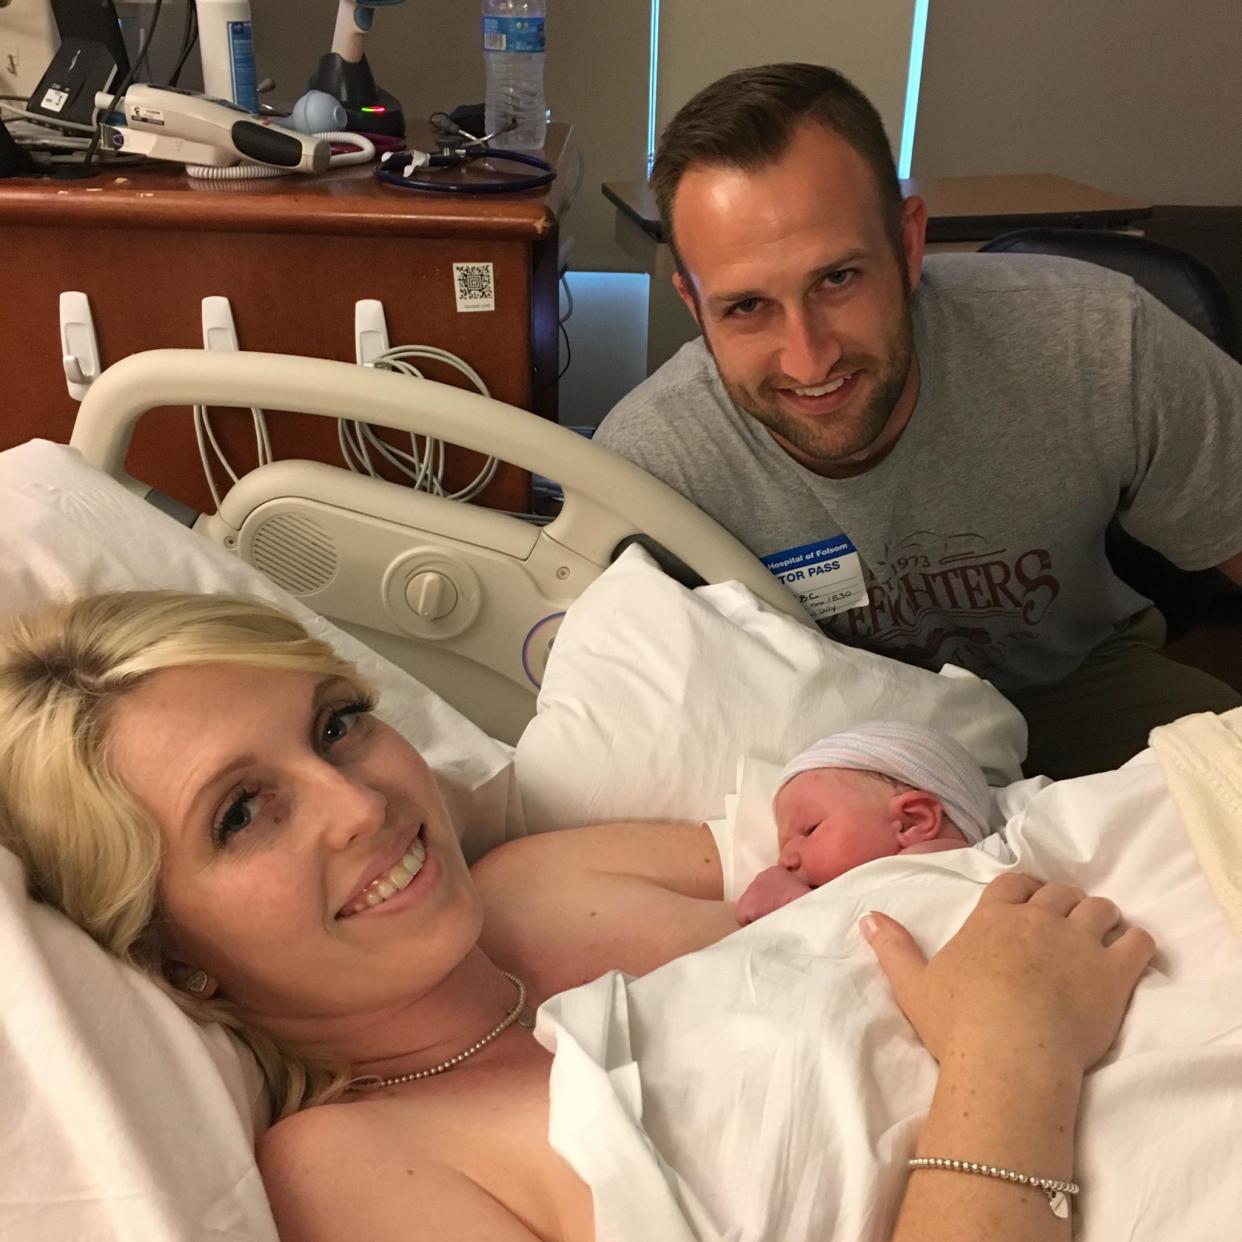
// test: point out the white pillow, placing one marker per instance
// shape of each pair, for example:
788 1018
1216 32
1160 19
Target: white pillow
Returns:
68 529
652 693
122 1118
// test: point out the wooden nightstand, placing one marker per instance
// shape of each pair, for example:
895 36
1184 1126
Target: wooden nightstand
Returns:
293 255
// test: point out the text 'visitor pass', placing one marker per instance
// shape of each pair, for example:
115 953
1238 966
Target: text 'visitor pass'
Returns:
826 576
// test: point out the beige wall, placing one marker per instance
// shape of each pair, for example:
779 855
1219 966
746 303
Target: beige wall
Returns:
1140 97
868 40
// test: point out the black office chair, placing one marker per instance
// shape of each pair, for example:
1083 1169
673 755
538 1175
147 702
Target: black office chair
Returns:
1192 290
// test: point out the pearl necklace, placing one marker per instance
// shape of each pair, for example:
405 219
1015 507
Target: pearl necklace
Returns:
518 1014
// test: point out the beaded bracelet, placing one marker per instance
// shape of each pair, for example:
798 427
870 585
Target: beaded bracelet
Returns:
1053 1187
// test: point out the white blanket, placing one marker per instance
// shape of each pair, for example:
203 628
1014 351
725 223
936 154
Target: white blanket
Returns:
1202 760
768 1087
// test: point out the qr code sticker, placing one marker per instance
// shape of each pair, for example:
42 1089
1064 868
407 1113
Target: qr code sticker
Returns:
474 286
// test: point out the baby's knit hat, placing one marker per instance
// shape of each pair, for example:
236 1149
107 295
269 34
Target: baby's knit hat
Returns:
914 755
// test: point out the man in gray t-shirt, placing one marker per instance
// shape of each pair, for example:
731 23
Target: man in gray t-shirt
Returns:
929 454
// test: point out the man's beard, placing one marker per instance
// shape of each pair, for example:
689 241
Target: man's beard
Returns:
844 433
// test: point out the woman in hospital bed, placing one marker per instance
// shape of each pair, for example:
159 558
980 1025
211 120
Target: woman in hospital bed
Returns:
204 789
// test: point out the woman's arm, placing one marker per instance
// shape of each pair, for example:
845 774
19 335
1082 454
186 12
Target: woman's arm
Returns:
1000 1107
326 1183
563 907
1016 1008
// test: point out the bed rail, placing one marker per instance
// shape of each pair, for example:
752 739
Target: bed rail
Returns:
607 498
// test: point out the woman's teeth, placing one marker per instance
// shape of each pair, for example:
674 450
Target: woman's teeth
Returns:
391 882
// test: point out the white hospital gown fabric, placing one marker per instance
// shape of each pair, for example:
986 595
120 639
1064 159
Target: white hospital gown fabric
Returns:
768 1090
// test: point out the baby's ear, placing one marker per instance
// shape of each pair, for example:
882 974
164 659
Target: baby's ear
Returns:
919 816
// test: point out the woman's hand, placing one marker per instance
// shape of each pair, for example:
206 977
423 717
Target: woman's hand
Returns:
1033 966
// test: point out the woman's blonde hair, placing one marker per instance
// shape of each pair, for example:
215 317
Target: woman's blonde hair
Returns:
88 847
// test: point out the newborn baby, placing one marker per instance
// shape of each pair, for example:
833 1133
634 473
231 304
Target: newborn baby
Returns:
881 789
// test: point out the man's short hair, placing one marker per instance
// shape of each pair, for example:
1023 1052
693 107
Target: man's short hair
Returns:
748 118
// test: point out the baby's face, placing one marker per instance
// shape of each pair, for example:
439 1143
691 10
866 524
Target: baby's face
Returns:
831 820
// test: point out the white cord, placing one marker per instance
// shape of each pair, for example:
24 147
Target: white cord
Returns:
363 153
422 466
38 118
50 142
348 449
30 136
235 172
263 442
204 433
200 424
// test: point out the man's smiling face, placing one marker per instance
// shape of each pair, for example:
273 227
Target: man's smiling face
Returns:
803 296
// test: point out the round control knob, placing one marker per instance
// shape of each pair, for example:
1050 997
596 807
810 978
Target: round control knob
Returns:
431 595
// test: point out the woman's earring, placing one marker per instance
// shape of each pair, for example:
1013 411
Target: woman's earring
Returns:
198 982
187 978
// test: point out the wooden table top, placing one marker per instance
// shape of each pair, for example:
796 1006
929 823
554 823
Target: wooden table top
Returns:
959 208
343 200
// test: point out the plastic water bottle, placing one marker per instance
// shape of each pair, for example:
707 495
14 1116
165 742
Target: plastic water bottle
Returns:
513 44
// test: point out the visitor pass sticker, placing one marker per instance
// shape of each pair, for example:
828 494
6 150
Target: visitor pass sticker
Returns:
826 576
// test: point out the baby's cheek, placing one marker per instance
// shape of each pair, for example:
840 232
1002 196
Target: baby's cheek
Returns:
825 860
837 856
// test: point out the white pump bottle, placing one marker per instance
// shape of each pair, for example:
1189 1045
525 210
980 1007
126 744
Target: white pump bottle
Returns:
226 41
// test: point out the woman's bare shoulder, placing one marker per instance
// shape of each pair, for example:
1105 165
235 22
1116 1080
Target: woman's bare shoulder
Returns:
562 908
678 854
330 1174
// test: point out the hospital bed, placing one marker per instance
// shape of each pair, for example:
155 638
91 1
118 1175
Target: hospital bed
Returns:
466 599
134 1123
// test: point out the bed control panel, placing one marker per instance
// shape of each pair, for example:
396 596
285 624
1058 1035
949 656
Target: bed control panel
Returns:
432 593
465 599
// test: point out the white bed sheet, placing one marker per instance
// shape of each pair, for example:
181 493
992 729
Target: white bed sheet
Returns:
769 1089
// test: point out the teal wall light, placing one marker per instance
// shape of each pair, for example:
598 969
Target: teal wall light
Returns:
914 77
652 74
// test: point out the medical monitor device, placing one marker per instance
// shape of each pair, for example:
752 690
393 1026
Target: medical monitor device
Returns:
93 21
28 41
79 71
91 58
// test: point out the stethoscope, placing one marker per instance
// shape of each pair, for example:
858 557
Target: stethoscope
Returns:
458 148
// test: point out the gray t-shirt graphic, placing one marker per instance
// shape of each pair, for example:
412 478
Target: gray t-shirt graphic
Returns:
1054 394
